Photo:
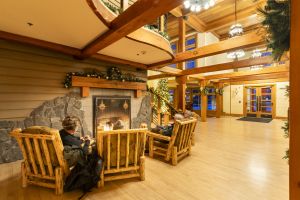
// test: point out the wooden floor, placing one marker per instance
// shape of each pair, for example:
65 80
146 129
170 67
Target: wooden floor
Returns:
232 160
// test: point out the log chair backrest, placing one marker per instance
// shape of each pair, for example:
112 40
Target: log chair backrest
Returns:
41 152
182 133
121 148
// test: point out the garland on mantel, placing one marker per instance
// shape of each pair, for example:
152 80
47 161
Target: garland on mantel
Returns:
112 73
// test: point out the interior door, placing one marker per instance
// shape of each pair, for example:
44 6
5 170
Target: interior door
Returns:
259 101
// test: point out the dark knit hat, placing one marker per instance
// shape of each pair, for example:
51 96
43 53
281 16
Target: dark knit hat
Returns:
69 123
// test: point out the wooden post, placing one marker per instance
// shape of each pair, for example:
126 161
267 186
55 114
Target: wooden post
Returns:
124 4
162 23
158 110
181 39
181 87
219 101
203 102
294 162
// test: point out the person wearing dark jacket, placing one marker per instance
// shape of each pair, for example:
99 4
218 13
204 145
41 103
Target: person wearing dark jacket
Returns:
75 148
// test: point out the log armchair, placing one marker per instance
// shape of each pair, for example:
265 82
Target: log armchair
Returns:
175 147
43 163
123 154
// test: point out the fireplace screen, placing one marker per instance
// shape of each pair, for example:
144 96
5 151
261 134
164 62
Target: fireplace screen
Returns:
111 113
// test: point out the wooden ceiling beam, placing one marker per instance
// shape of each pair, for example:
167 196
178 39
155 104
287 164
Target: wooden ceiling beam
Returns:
140 13
160 76
230 65
170 70
245 41
268 70
258 77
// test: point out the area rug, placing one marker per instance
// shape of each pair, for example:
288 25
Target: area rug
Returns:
255 119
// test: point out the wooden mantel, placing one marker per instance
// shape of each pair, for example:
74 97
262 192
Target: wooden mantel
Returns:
86 83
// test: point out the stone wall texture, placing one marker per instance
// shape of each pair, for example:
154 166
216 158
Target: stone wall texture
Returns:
51 113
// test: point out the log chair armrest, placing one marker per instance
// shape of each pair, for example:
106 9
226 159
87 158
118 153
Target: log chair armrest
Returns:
158 136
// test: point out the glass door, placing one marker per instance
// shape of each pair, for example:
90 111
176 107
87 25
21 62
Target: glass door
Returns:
259 102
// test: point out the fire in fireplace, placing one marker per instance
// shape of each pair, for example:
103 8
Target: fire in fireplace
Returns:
112 112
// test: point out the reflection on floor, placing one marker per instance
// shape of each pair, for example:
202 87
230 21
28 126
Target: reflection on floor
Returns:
232 160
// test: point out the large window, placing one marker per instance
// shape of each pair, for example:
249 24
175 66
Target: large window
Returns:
193 99
190 44
211 99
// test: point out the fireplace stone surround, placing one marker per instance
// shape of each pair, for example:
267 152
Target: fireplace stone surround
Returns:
51 113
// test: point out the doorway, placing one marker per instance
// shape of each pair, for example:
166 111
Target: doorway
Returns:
260 101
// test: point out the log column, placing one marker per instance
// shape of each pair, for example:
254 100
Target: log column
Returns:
203 83
181 87
181 38
294 162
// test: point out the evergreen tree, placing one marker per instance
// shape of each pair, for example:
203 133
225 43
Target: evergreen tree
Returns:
162 90
277 23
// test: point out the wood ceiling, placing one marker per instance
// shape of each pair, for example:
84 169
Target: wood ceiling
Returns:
219 18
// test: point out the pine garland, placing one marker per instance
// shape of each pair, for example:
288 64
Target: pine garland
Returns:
277 23
286 128
155 29
113 8
113 73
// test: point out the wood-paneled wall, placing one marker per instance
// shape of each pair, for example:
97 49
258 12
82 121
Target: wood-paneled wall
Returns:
29 76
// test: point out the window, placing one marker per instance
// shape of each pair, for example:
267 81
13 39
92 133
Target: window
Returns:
193 99
211 99
174 49
172 95
190 44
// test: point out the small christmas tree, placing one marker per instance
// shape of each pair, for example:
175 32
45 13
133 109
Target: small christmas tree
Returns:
162 90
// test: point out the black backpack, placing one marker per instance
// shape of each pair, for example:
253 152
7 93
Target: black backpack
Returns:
86 176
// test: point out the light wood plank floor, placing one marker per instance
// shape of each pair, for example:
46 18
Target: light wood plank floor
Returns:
232 160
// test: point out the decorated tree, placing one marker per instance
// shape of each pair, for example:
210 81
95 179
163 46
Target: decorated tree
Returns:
162 90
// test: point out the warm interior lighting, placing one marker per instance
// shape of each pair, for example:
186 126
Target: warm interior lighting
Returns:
236 54
236 30
198 5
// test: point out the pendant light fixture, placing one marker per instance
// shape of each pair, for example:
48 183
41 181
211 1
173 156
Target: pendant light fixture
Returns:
198 5
236 30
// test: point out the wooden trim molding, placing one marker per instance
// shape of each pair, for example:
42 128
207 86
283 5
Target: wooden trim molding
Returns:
101 11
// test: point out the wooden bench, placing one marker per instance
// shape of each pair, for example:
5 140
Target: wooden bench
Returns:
43 163
177 146
123 154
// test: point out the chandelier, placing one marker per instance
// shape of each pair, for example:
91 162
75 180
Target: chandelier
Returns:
236 54
256 54
236 30
198 5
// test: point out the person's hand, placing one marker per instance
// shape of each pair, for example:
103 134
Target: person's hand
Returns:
82 138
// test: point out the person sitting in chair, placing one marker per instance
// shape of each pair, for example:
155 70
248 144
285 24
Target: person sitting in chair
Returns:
75 148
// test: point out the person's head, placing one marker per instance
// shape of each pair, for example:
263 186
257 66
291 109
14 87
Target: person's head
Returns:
70 124
118 125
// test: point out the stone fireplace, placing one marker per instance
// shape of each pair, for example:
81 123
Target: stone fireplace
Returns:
112 112
132 111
